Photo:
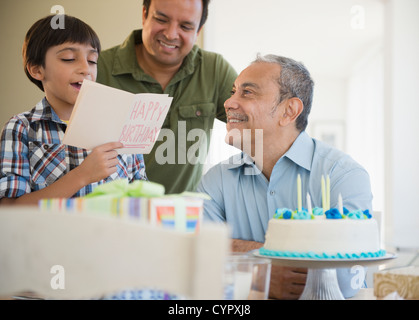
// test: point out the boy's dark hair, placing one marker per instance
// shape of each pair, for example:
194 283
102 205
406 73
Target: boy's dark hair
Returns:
42 36
205 3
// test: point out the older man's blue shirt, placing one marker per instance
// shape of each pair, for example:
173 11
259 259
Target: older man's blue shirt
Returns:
245 199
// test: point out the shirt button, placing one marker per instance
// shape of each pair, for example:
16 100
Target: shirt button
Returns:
198 113
46 147
272 192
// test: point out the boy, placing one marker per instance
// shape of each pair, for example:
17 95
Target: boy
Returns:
34 164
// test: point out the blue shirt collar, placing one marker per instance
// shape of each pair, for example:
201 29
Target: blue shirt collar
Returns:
238 160
301 152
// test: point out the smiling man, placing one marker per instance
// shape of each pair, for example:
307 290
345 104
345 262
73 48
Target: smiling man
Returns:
273 97
163 58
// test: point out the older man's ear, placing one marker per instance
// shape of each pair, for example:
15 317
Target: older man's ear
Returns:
291 109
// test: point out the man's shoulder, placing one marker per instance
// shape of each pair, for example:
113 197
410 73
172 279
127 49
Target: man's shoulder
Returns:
209 54
334 157
107 55
214 57
111 61
217 72
211 59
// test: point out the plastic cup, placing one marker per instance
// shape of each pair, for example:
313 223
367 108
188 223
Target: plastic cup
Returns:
246 277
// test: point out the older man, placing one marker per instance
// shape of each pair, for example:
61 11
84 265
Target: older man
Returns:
266 117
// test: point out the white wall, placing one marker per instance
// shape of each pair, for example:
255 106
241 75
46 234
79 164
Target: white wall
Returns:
365 119
401 120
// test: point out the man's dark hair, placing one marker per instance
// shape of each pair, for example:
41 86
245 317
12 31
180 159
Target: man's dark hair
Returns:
42 36
205 3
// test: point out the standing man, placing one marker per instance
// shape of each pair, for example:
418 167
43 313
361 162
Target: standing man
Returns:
274 95
163 58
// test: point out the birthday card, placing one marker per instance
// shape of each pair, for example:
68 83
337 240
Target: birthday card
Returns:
103 114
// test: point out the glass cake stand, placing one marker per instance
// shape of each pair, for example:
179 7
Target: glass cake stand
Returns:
322 282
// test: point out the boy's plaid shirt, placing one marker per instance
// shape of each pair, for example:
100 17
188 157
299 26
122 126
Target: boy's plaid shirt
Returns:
32 156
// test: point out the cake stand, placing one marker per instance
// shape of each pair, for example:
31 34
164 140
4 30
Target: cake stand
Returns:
322 282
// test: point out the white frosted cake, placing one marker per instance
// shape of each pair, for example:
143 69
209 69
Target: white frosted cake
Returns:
330 236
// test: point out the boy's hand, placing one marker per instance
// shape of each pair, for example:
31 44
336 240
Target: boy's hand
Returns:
101 162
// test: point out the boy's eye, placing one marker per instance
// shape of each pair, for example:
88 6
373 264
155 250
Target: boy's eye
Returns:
67 60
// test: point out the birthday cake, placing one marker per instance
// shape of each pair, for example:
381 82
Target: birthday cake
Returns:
322 235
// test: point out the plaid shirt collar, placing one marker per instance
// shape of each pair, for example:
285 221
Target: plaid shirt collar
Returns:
44 112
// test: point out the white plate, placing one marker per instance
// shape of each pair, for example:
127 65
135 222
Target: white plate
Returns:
325 263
